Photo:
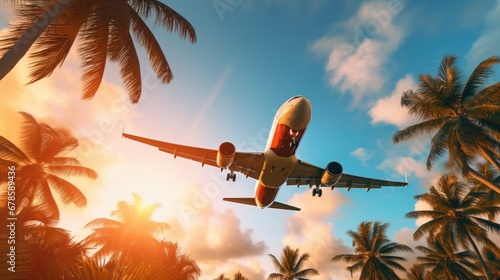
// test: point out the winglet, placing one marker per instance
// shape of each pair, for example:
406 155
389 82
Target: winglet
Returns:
406 180
123 131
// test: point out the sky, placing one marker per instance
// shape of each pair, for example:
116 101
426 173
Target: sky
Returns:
352 59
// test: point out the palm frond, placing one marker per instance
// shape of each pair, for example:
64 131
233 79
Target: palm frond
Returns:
165 17
418 129
449 75
478 77
53 45
10 153
146 39
71 170
61 160
43 196
424 107
488 95
31 136
104 222
69 193
130 70
119 26
93 50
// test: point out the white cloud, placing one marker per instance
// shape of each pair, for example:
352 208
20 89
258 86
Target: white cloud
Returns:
409 165
404 165
389 110
357 55
487 44
361 154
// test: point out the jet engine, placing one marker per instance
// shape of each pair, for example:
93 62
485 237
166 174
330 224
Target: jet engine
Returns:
332 174
225 154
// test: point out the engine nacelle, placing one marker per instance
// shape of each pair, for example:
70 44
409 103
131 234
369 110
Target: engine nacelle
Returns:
332 174
225 154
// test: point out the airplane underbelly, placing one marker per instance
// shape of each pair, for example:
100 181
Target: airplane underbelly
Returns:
264 196
276 169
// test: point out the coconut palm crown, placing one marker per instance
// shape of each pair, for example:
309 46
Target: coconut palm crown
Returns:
290 265
104 29
465 116
41 163
373 253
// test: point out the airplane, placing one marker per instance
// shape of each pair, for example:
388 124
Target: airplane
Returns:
278 163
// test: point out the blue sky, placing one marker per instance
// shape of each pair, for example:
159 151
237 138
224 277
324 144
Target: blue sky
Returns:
353 59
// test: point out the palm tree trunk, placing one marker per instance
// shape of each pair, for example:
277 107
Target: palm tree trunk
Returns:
23 44
487 155
474 174
485 268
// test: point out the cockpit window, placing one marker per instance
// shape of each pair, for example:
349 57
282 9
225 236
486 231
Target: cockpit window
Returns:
295 97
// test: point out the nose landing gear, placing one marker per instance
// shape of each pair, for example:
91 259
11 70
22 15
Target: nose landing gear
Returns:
294 135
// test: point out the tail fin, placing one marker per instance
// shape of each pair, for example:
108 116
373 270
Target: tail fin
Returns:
251 201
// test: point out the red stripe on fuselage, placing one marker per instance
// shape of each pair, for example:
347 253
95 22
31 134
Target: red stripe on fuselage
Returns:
282 139
265 195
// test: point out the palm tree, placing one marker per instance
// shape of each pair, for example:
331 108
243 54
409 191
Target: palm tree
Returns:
290 265
103 28
373 253
457 217
92 269
222 277
239 276
417 272
181 265
132 236
45 253
445 264
465 116
39 165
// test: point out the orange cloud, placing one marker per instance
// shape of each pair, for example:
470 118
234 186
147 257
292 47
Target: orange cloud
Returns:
311 231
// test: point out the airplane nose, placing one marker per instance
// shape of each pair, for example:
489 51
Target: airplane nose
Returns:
302 106
303 103
299 112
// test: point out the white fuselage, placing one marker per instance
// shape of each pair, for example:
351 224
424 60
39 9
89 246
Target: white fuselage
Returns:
289 125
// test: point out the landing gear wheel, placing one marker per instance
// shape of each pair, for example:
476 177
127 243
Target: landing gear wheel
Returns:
314 192
231 176
320 192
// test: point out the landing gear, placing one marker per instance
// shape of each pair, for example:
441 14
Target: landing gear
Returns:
317 191
294 135
231 176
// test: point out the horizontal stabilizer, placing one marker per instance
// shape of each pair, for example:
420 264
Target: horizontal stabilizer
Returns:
279 205
251 201
242 200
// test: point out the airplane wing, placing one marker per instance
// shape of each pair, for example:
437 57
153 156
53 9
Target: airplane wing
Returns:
250 164
307 174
